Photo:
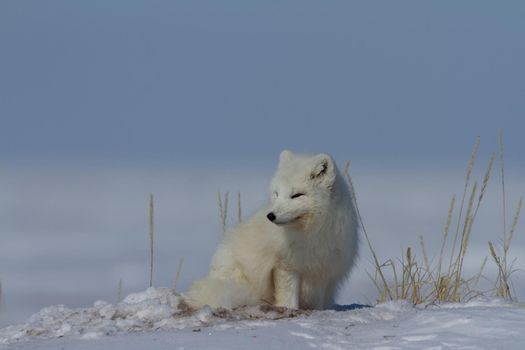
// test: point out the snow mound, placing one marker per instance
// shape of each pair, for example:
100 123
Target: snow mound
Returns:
152 309
390 325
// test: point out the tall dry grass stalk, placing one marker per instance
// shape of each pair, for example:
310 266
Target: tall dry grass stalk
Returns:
177 275
505 269
151 249
151 237
119 290
445 237
502 175
239 208
470 166
379 267
223 209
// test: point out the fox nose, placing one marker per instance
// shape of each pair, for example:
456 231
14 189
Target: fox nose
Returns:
271 217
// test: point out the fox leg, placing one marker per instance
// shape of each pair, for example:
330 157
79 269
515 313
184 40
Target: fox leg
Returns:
286 285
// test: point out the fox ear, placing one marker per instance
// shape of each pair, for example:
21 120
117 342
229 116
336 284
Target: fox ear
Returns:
323 169
285 156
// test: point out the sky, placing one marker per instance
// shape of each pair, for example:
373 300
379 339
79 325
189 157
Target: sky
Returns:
236 81
105 102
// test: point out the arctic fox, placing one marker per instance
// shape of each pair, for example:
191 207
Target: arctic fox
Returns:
296 251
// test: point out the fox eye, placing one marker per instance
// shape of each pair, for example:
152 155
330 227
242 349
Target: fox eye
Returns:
276 194
297 195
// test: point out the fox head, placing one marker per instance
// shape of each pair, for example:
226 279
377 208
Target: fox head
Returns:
301 188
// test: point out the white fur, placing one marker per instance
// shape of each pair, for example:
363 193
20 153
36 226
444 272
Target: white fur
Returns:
300 259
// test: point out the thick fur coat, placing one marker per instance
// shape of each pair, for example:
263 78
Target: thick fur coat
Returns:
296 251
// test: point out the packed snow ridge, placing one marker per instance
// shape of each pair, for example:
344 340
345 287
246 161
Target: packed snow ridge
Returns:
160 315
153 309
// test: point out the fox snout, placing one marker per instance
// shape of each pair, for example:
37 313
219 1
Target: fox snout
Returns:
283 219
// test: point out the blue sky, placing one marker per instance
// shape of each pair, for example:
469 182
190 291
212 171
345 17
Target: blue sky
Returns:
212 81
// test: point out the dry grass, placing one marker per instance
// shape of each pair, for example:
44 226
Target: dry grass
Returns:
177 275
239 208
382 285
223 209
151 237
222 202
119 290
1 300
505 268
419 280
152 246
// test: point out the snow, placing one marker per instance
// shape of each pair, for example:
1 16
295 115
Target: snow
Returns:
158 318
152 309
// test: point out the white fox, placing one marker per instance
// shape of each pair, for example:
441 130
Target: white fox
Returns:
296 251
